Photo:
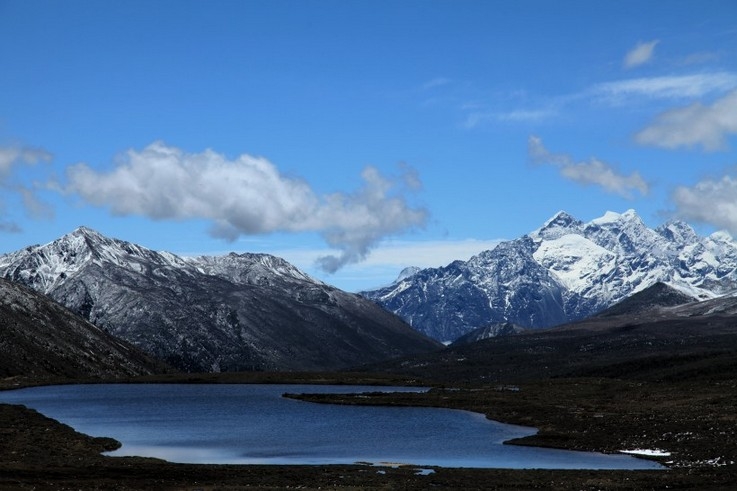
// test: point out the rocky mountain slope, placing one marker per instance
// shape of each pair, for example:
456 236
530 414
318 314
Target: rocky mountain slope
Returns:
564 271
39 338
234 312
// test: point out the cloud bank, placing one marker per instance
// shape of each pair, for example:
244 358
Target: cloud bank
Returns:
694 125
640 54
248 195
710 201
593 172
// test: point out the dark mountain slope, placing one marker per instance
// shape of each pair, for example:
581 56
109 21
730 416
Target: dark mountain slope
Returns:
649 299
664 343
490 331
229 313
39 338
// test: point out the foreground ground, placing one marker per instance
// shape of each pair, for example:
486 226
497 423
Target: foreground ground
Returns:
696 421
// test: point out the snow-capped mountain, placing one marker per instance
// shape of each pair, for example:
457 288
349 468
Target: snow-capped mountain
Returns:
563 271
40 339
233 312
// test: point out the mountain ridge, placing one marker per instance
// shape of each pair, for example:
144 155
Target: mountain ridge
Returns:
211 313
563 271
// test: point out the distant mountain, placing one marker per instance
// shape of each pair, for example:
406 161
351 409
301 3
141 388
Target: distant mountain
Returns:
695 340
227 313
491 331
40 338
648 300
564 271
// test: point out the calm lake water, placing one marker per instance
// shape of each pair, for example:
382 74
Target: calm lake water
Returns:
253 424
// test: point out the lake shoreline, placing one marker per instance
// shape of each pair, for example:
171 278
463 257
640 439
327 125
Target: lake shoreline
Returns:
248 424
561 424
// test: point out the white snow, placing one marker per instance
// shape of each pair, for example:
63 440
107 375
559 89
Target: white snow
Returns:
575 260
609 217
648 452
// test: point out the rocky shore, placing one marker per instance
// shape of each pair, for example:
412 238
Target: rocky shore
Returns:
694 422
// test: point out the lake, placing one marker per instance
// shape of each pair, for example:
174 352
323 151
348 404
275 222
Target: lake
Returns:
253 424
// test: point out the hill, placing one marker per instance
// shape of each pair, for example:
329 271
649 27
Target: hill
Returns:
661 343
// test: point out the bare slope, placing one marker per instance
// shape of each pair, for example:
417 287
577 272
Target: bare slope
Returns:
663 343
39 339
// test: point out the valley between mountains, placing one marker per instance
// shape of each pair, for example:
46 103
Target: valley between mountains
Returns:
605 335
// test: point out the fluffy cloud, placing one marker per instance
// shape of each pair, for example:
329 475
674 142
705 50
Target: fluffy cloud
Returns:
592 172
694 125
640 54
248 195
709 201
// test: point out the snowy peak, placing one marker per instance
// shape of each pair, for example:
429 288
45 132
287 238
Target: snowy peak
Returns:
612 217
560 224
406 273
249 268
565 270
233 312
45 267
723 237
678 233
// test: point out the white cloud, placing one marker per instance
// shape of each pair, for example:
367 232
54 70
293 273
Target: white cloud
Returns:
593 172
526 115
668 87
710 201
10 227
694 125
10 158
401 254
436 82
34 207
640 54
248 195
614 93
699 58
515 116
387 260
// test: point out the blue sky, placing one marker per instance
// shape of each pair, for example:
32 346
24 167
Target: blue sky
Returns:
355 138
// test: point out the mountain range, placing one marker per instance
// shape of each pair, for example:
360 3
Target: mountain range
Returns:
40 339
564 271
211 314
656 334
